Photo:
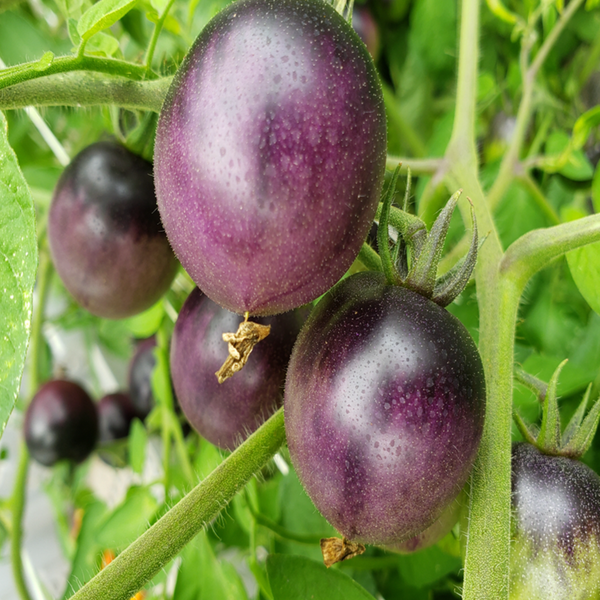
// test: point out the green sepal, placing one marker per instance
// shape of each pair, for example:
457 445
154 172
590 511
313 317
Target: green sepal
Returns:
529 432
451 284
389 269
549 437
581 441
422 276
370 258
577 418
537 386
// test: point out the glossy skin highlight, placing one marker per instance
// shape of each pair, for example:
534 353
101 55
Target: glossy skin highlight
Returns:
106 239
384 409
225 414
61 423
270 154
115 414
555 553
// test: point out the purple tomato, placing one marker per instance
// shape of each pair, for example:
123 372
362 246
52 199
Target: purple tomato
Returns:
384 409
61 423
226 413
106 239
555 554
270 154
115 414
140 377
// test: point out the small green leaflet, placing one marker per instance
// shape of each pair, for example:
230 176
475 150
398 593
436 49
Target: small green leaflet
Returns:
299 578
136 443
101 16
18 264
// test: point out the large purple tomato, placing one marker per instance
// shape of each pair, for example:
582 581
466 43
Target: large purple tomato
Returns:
384 409
270 154
226 413
555 552
105 234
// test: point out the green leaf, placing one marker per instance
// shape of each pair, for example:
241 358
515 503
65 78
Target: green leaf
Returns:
18 263
102 44
202 577
565 159
137 441
44 62
102 15
299 578
423 568
596 189
73 33
128 521
147 323
584 125
584 264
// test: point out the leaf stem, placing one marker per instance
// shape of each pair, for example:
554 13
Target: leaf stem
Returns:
155 34
45 270
135 566
418 166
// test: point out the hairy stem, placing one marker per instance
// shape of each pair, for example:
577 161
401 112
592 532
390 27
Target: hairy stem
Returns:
135 566
64 64
19 493
86 89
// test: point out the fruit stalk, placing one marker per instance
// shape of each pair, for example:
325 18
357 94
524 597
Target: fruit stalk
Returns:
45 271
134 567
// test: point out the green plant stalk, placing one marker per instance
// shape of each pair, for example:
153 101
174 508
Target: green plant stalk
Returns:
64 64
45 270
418 166
488 543
145 557
86 89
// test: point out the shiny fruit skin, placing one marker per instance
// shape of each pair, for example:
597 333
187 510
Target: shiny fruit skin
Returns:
105 234
115 414
384 409
225 414
270 154
555 552
61 423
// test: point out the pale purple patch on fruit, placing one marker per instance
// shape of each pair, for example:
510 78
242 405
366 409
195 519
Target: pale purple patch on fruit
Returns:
270 154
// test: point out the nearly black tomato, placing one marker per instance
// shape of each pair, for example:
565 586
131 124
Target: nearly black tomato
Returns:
61 423
270 154
384 409
555 553
115 414
105 234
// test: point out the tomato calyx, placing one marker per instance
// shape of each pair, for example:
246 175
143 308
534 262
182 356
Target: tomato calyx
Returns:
577 436
413 260
240 345
336 550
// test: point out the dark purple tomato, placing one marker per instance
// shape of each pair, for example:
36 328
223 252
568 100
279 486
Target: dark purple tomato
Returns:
226 413
105 234
270 154
61 423
140 377
365 25
384 409
555 554
115 414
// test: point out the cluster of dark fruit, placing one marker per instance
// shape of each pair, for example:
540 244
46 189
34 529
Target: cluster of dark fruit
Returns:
267 184
63 423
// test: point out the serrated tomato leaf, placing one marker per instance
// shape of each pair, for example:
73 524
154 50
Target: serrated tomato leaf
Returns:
298 578
101 16
18 263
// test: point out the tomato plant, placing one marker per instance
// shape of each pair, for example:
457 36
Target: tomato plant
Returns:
497 99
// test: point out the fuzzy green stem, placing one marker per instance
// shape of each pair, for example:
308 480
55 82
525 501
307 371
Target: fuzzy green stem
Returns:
86 89
135 566
417 166
64 64
45 270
